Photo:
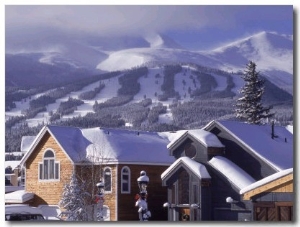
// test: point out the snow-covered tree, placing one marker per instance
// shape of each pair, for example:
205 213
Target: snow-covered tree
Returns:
74 199
249 107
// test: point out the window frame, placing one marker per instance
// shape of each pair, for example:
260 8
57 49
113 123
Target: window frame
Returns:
104 179
53 167
128 180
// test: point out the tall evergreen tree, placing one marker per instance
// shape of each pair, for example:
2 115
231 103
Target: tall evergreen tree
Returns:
249 107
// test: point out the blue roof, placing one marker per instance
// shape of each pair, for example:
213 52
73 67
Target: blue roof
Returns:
277 151
112 145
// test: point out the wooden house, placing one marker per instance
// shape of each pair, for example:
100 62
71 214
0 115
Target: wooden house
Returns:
215 164
272 197
113 155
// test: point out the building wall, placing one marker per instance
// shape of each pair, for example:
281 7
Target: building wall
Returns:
157 195
91 174
121 205
46 192
220 189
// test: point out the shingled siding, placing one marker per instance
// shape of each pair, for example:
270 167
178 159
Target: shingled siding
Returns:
48 191
157 195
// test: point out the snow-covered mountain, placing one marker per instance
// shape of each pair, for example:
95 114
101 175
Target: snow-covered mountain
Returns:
272 52
185 85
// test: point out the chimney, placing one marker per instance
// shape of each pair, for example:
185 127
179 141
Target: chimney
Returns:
272 133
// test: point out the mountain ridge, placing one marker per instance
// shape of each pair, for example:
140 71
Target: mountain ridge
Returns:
272 52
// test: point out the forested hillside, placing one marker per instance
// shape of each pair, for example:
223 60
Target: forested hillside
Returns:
156 98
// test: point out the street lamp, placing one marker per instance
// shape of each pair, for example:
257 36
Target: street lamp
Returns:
144 213
100 200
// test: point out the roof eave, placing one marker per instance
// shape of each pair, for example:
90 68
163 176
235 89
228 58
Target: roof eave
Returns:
33 145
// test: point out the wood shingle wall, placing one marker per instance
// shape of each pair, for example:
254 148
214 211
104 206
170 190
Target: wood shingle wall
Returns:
47 191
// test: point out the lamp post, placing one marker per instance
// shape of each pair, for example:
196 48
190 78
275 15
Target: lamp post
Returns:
100 200
144 213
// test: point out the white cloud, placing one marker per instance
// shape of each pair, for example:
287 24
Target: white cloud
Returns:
126 19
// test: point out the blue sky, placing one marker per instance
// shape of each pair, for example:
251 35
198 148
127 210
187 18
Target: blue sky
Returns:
195 27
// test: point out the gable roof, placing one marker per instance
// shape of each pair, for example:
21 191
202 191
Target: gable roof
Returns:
121 145
268 179
197 168
206 138
278 152
108 145
231 171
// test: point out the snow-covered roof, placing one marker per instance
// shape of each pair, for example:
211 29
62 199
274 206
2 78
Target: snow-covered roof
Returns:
71 140
50 212
127 146
231 171
12 164
26 142
110 145
290 128
266 180
22 208
206 138
197 168
20 196
278 152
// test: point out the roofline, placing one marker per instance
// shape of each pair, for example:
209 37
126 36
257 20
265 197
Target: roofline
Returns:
184 136
37 140
275 167
177 141
268 186
126 163
33 145
62 148
267 180
223 176
180 163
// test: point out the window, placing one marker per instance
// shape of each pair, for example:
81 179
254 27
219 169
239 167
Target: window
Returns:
125 180
107 179
183 187
190 150
49 168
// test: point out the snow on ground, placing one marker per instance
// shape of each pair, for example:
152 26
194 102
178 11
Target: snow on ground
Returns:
150 88
109 91
22 105
166 118
183 81
149 85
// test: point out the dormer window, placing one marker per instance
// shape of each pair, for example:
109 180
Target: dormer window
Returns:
49 168
190 150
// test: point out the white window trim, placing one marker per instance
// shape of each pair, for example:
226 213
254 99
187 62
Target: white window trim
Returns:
111 186
42 163
129 180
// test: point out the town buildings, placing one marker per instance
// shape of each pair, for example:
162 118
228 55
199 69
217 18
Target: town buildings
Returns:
226 171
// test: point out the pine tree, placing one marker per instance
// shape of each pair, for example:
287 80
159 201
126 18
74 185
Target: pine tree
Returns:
74 199
249 107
